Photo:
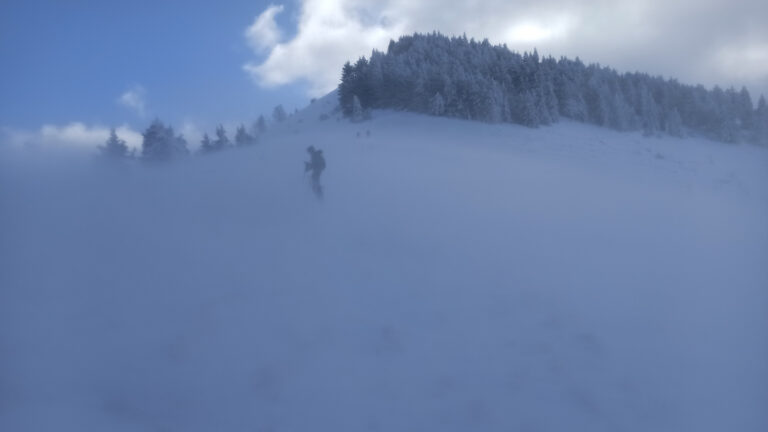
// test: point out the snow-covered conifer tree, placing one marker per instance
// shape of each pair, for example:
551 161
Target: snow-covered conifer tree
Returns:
160 143
180 145
345 89
260 126
622 116
550 100
206 146
114 147
357 110
221 142
278 114
243 138
744 108
729 130
649 113
673 124
529 110
760 122
477 80
437 105
496 104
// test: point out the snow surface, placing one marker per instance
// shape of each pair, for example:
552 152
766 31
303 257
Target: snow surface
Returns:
457 276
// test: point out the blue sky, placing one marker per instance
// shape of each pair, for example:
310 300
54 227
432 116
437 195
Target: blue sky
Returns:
72 68
70 60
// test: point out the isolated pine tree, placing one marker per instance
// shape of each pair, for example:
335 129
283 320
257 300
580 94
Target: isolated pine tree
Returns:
156 143
278 114
261 124
221 142
243 138
206 146
114 147
180 145
160 143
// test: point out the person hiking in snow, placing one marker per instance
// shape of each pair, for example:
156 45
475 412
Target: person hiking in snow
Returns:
316 165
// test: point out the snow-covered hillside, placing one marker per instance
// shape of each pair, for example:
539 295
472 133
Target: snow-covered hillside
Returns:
456 276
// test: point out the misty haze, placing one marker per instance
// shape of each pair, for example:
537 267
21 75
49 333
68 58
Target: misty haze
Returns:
341 215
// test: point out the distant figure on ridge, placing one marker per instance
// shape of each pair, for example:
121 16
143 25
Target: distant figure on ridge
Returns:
316 165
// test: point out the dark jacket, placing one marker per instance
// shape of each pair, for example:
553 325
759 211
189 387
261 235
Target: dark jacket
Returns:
316 162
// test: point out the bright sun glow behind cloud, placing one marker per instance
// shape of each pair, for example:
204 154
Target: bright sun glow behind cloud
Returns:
533 31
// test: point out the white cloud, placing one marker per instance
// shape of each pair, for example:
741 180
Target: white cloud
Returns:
330 32
674 39
264 34
743 60
75 134
532 32
192 133
134 99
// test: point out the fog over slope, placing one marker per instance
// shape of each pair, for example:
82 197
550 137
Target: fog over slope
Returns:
456 276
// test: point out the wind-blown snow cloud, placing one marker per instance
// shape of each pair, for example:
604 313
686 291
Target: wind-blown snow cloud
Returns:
696 41
135 100
264 33
75 134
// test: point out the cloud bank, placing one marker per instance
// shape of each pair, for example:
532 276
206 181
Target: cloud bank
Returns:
75 134
708 42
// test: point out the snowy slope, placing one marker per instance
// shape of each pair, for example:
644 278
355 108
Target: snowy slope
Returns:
456 276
